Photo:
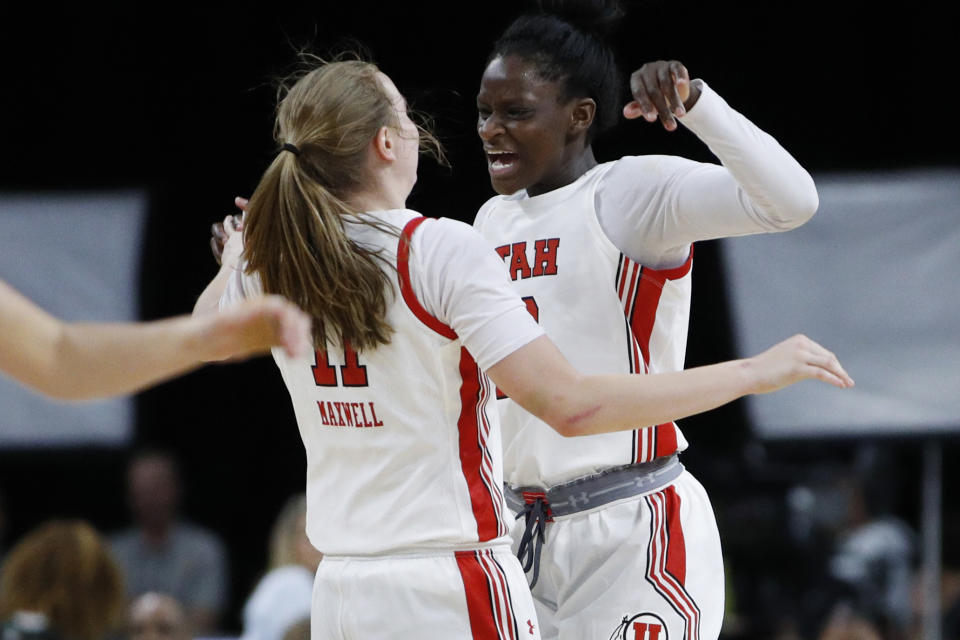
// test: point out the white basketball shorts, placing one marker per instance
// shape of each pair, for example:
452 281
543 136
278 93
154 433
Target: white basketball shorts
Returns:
470 595
647 567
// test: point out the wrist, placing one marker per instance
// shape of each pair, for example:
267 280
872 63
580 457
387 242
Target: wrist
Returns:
748 376
201 337
696 90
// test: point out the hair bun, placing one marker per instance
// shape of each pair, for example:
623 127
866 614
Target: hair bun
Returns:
601 17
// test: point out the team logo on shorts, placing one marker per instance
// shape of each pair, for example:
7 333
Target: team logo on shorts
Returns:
643 626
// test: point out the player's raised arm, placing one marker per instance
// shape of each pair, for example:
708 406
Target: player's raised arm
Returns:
75 361
781 191
227 245
540 379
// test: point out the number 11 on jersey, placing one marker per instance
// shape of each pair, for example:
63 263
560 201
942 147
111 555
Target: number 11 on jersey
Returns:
352 373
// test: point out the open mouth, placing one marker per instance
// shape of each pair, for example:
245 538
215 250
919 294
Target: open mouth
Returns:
501 162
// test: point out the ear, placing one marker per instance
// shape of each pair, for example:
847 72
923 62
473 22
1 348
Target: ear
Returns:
384 145
582 114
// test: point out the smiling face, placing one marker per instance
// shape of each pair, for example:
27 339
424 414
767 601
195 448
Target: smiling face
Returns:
533 139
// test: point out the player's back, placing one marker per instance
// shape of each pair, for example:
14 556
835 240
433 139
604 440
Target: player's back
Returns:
403 450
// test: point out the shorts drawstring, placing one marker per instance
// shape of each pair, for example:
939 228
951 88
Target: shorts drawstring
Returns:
536 513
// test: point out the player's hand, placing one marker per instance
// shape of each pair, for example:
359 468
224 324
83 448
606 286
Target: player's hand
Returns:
219 236
255 326
661 89
795 359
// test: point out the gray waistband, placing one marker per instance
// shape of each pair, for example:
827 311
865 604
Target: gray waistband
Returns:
600 489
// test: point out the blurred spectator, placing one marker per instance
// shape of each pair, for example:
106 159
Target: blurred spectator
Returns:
280 604
165 554
874 558
845 624
157 616
949 584
60 582
298 631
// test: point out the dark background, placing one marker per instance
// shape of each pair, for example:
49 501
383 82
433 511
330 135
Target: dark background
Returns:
179 101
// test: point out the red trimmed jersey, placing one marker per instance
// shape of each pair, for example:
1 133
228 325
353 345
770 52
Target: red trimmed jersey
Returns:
403 445
606 313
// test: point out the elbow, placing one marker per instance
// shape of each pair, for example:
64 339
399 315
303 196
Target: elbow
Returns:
561 426
59 378
570 423
803 203
806 205
794 209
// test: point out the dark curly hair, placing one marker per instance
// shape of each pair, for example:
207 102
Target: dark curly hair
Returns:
567 41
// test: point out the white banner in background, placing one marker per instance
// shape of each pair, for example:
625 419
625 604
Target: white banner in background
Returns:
77 255
875 277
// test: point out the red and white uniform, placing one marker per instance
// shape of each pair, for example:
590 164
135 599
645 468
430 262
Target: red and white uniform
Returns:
604 263
404 472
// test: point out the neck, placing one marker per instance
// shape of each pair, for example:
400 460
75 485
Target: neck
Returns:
369 201
568 172
382 191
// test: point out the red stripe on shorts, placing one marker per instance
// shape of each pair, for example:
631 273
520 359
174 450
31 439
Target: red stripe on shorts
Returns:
666 558
677 550
479 590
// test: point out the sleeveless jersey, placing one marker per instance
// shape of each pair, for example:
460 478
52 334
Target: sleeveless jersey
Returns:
403 445
605 312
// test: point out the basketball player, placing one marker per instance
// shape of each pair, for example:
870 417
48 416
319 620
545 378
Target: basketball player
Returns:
73 361
404 471
602 255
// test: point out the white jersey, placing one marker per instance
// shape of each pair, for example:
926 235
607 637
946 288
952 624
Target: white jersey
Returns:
604 264
605 312
403 449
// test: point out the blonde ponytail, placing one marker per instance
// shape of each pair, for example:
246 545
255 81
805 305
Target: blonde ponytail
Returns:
294 236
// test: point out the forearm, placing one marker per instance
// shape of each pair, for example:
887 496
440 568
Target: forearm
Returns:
543 382
209 300
90 360
74 361
602 404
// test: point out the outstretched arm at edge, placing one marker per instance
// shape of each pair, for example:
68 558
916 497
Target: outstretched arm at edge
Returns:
76 361
540 379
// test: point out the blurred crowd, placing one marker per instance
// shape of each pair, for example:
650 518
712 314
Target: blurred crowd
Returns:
163 578
831 549
817 552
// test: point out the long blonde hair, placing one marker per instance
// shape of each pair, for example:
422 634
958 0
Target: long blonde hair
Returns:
294 236
65 571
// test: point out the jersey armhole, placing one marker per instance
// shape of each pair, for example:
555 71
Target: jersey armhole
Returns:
406 287
662 275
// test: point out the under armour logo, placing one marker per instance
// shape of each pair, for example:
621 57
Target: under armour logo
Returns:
530 624
643 480
581 499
